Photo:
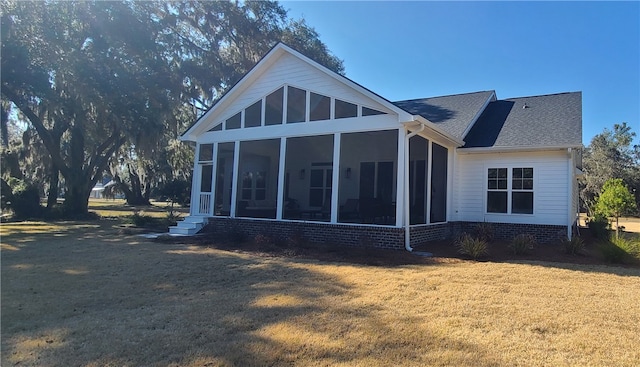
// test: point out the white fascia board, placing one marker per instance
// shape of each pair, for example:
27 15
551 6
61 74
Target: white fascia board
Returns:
462 150
431 127
254 73
347 125
269 59
402 114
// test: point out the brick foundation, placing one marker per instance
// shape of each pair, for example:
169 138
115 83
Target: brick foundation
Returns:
432 232
349 235
506 231
370 236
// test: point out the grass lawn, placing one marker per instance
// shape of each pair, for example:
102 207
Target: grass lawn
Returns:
83 294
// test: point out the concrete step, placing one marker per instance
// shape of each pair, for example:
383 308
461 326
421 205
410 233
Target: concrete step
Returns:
182 231
189 226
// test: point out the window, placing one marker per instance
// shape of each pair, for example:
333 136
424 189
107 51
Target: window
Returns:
296 104
345 109
253 115
522 191
366 111
206 153
497 190
254 185
233 122
273 107
320 187
320 107
510 192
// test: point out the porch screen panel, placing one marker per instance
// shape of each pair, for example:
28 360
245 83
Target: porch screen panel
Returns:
439 184
418 155
368 178
308 166
206 178
258 178
224 179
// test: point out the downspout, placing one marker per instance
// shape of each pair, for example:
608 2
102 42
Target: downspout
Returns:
407 239
571 216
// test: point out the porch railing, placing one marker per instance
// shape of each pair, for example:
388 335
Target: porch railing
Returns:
204 206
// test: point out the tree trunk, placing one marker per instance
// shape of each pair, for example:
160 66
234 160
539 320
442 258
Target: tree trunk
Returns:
4 130
76 199
54 186
132 193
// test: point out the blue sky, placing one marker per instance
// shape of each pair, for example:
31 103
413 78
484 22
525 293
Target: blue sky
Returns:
405 50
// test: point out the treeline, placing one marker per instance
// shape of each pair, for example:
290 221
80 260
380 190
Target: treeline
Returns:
610 157
106 87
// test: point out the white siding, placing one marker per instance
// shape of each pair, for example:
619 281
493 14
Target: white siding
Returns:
288 69
551 187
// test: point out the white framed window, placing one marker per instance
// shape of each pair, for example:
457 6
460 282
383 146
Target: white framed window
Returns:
510 190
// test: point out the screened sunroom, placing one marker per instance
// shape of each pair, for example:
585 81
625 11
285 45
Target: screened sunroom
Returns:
355 177
295 144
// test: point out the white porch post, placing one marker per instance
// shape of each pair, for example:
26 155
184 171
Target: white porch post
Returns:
214 179
280 202
570 182
429 168
234 184
195 183
451 155
335 183
402 181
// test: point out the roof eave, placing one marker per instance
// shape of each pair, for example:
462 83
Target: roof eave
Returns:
511 149
435 129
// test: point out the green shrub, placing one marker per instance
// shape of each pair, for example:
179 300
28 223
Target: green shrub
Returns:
24 200
599 226
573 246
522 243
612 253
484 231
142 220
171 219
472 246
629 245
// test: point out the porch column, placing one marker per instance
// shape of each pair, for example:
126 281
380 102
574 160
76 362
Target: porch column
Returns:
195 183
335 179
214 179
429 167
281 163
450 171
402 179
234 184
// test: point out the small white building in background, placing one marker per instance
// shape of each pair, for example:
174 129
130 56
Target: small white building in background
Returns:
296 148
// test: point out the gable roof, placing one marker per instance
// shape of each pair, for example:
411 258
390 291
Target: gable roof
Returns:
269 59
553 120
453 114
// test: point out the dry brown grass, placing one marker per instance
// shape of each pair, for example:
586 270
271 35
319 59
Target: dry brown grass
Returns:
80 294
118 208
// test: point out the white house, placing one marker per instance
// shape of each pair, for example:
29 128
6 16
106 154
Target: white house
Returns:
296 148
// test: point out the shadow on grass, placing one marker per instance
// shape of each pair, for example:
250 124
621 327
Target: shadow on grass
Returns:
90 296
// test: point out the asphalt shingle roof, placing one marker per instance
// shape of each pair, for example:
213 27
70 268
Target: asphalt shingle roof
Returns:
452 114
548 120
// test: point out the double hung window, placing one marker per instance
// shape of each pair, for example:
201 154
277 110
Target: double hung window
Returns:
510 191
